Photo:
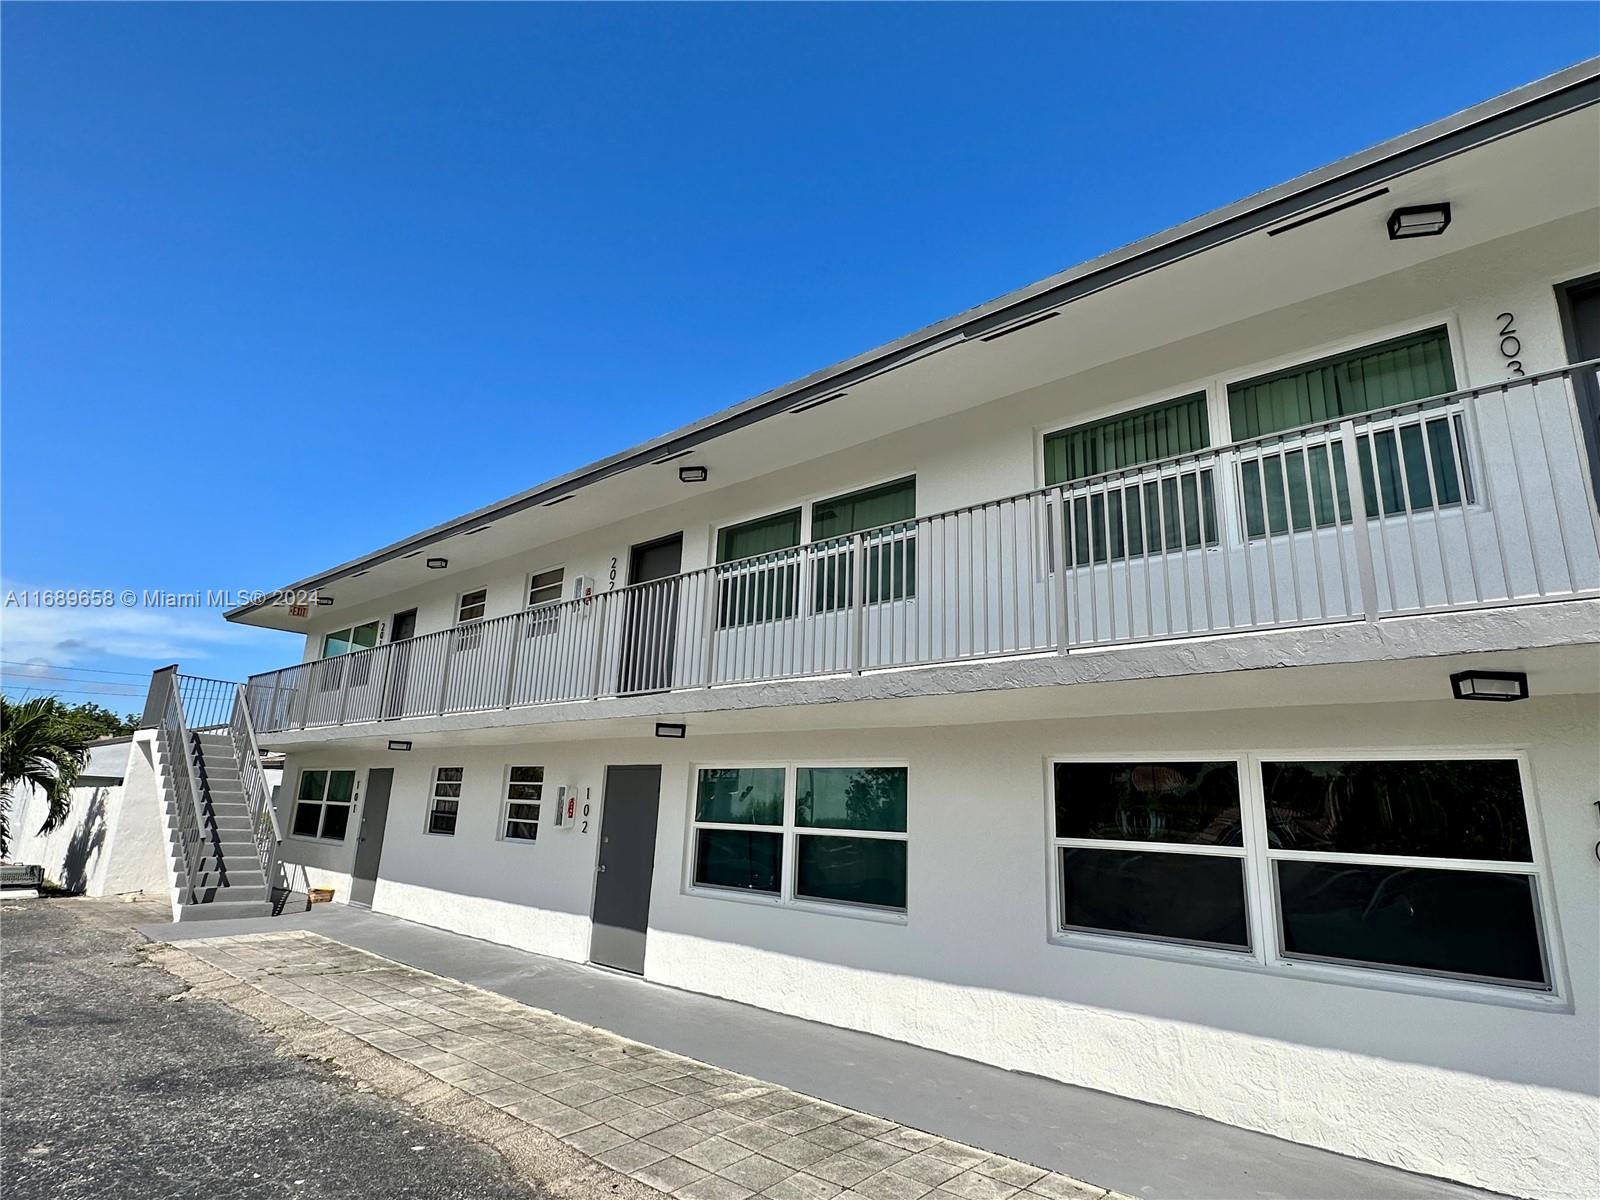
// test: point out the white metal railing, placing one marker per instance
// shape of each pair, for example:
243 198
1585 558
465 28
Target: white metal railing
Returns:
1476 498
264 829
164 713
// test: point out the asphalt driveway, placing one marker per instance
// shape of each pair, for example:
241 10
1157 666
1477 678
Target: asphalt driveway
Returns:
113 1084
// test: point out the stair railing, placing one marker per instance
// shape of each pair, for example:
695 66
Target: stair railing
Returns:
264 828
177 749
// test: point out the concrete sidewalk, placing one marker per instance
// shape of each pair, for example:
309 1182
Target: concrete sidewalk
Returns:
1114 1143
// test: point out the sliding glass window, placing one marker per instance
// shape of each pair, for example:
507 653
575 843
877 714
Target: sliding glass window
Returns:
1408 466
1414 865
1142 512
738 828
759 570
1421 866
886 517
803 834
1151 849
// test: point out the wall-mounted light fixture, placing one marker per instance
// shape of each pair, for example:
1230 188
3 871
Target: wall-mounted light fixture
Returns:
438 564
399 745
1502 686
324 601
1419 220
668 730
692 474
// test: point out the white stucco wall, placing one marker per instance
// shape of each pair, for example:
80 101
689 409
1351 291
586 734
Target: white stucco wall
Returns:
114 839
1498 1089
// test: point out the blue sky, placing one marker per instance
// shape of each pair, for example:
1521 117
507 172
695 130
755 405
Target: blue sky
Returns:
282 283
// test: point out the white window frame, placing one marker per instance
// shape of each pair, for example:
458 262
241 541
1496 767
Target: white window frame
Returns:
805 559
434 797
1241 852
544 617
322 804
506 802
461 603
466 634
790 833
1266 956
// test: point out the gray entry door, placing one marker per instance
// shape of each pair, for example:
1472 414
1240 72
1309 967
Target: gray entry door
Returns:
627 862
369 838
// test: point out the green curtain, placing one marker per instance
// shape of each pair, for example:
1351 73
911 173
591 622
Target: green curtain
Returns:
758 593
1392 372
891 556
760 536
1127 520
1127 440
867 509
1303 489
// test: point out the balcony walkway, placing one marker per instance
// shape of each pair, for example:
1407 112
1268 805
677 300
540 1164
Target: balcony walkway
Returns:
1136 1148
1476 500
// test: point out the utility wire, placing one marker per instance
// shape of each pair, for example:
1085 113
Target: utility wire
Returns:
55 691
8 662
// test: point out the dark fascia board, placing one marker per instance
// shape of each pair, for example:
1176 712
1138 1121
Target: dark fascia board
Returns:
1555 95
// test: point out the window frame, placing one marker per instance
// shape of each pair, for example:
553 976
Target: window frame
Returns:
322 804
1264 914
465 634
542 617
506 802
1075 935
789 834
804 562
433 798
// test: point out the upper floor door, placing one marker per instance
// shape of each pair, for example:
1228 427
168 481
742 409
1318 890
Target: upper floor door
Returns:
650 615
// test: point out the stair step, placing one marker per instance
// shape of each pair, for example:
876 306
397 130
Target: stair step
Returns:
244 884
221 910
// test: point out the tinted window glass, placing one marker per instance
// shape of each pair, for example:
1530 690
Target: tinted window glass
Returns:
855 870
851 798
1194 803
336 820
306 818
312 784
741 796
341 785
1478 923
1445 809
1189 897
736 859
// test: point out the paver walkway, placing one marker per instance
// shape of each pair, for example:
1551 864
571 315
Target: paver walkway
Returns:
670 1122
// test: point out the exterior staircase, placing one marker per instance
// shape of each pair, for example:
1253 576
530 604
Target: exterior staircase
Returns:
221 830
228 881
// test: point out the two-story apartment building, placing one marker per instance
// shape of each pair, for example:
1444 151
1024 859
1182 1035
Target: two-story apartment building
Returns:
1089 684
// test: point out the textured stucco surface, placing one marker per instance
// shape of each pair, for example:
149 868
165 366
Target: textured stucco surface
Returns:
1496 1090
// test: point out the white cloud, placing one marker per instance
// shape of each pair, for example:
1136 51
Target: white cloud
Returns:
68 636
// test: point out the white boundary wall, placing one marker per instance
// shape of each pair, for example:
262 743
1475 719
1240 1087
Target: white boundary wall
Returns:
115 836
1497 1091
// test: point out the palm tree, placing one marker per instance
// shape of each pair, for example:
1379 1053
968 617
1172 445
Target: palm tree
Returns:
42 747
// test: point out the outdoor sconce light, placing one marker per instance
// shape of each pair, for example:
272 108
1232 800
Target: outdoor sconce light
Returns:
1420 220
692 474
666 730
1502 686
398 744
324 601
438 564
